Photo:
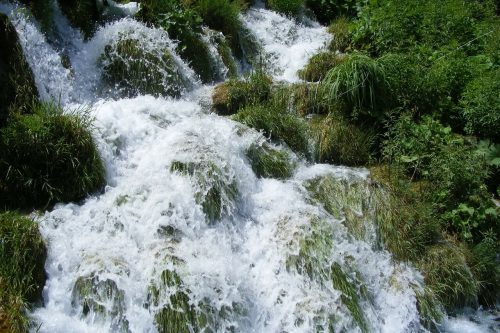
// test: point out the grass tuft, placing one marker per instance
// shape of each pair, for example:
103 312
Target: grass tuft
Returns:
268 162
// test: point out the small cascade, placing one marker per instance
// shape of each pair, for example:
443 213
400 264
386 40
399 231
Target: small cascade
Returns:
287 44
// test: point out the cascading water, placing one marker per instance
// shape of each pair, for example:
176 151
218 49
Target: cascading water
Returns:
186 231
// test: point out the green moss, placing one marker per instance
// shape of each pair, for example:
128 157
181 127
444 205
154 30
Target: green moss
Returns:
343 283
48 157
277 124
319 65
215 192
83 14
16 79
340 142
224 50
270 163
22 274
126 63
287 7
314 260
345 200
101 298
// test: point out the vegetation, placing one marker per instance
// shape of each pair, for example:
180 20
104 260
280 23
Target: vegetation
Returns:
287 7
16 79
232 95
270 163
83 14
22 274
47 157
319 65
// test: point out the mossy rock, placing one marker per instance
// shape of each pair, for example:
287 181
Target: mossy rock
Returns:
319 65
101 298
232 95
224 50
16 79
228 97
268 162
22 273
82 14
48 157
134 69
215 191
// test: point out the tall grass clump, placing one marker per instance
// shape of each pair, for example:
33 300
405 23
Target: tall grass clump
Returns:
22 275
48 157
277 124
340 142
230 96
268 162
319 65
359 83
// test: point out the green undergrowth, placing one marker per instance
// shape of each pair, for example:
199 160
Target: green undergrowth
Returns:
83 14
48 157
268 162
216 191
22 274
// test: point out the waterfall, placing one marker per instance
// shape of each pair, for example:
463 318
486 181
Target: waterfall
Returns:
184 221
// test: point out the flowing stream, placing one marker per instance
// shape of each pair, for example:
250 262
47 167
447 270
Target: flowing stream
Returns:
111 258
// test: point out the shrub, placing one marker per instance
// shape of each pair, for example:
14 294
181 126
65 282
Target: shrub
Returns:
16 79
339 142
359 83
481 106
319 65
339 28
48 157
287 7
268 162
277 124
22 274
136 69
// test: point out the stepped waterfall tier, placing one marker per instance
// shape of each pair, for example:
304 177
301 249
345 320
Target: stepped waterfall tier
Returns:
204 223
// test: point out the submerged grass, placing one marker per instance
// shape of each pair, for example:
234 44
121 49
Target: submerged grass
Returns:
267 162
